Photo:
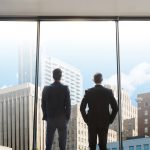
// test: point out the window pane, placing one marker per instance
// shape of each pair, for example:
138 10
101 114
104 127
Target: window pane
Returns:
80 49
131 147
138 147
17 63
146 146
135 73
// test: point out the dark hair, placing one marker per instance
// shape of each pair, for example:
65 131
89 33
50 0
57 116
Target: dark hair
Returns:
98 78
57 73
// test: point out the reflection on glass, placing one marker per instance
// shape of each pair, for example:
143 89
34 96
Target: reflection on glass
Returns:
80 49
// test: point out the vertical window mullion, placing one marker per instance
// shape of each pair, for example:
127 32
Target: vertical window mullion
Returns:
119 85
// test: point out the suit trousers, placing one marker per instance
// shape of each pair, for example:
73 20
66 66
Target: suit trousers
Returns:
95 130
59 123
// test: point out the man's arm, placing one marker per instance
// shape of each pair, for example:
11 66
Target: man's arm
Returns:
114 107
68 104
43 105
83 107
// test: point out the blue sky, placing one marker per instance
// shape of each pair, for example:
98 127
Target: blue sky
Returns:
89 46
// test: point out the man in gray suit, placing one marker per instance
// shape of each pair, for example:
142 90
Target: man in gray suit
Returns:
98 116
56 110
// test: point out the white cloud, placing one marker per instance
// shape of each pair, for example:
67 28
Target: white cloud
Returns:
137 76
5 86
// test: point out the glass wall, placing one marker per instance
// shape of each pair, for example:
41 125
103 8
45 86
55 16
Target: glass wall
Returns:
17 78
135 76
80 49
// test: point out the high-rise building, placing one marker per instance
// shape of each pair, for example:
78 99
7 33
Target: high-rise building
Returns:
143 114
26 65
71 76
16 118
129 114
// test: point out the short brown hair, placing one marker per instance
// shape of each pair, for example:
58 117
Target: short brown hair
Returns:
98 78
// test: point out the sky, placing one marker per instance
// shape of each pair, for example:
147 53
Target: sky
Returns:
88 46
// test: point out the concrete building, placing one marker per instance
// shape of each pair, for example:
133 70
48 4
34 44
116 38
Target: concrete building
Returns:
112 136
135 143
129 114
143 114
26 64
16 118
71 76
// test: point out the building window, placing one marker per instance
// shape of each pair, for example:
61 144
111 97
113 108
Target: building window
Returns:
131 147
138 147
145 121
145 112
146 104
146 146
146 129
114 148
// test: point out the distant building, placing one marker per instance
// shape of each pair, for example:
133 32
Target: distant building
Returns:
71 76
136 143
112 136
129 127
26 65
129 114
16 118
143 114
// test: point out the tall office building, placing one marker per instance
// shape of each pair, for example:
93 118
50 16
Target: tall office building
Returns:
71 76
26 64
129 114
16 118
143 114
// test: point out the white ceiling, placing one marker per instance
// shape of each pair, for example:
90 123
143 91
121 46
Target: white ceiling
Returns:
74 7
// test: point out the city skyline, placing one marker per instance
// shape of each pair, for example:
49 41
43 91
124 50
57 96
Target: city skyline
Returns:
88 52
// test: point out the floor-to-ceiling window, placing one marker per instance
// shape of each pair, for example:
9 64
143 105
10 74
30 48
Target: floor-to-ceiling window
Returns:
80 49
17 79
135 77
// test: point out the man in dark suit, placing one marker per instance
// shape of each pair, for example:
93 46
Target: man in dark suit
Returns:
56 110
98 116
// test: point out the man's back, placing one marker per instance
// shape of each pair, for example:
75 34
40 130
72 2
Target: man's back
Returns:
98 100
56 110
56 100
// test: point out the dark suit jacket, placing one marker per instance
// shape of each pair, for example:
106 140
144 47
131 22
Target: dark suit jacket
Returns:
56 101
98 100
